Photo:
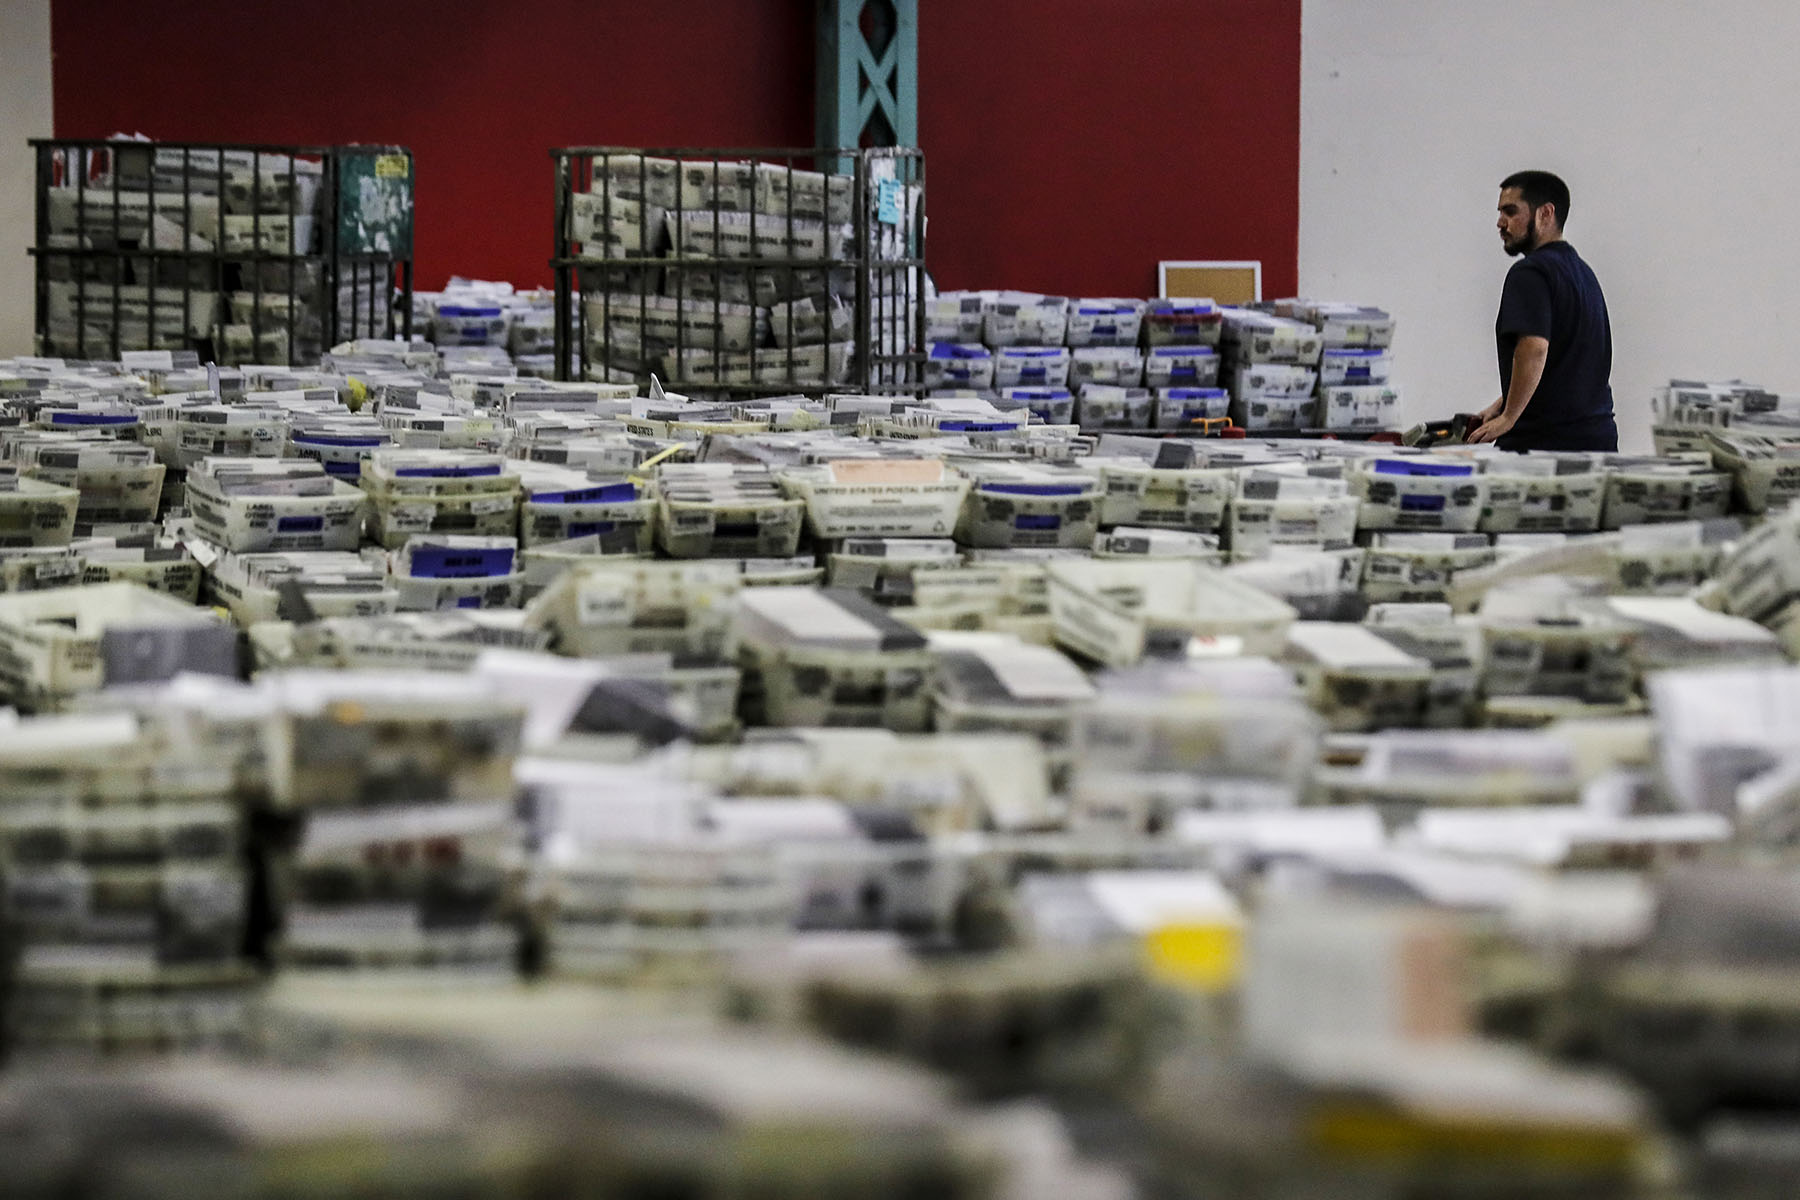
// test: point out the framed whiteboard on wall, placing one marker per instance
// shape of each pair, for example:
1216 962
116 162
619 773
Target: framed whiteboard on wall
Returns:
1228 282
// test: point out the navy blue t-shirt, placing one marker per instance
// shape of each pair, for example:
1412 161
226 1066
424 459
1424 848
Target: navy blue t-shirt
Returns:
1550 293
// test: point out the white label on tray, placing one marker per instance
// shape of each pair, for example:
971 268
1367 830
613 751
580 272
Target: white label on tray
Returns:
603 601
412 516
491 504
1039 676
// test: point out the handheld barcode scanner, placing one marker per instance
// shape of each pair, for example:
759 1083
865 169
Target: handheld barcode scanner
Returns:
1452 432
1215 427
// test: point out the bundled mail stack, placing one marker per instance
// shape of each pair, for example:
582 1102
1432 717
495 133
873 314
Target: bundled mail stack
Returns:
1099 362
398 790
730 274
1356 389
1166 364
549 782
262 211
1271 367
479 324
122 856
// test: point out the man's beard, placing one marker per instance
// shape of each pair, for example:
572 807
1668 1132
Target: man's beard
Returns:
1524 245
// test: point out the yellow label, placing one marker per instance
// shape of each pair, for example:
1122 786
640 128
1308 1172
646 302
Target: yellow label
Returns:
345 712
391 166
1360 1131
1199 956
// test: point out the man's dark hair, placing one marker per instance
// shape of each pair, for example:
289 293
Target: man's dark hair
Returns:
1540 188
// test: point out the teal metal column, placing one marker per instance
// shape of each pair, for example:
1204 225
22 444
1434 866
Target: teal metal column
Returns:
868 72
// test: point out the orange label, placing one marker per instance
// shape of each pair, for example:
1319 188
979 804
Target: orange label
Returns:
886 470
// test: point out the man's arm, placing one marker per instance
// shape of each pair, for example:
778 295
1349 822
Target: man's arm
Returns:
1529 356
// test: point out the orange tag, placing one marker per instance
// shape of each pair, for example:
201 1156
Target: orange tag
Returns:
886 470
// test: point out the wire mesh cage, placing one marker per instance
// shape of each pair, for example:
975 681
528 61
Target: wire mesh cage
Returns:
741 272
239 253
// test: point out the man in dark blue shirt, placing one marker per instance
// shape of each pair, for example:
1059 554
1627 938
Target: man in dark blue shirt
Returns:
1553 337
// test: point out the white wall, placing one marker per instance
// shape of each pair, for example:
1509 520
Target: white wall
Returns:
24 113
1671 121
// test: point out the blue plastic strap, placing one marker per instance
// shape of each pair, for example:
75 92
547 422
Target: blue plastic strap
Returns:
449 472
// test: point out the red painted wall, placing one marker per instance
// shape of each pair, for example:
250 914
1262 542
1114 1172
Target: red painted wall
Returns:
1069 143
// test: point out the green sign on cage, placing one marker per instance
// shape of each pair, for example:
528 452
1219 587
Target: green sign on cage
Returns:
375 204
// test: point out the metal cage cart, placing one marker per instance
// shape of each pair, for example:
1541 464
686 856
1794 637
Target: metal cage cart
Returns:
742 272
241 253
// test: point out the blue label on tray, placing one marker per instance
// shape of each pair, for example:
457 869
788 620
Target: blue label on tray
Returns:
1401 466
1034 489
608 493
81 418
339 439
955 350
452 562
976 426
